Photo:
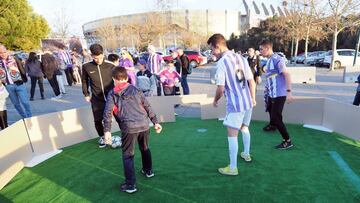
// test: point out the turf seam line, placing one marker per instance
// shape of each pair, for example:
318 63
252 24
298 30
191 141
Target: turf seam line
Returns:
115 174
354 179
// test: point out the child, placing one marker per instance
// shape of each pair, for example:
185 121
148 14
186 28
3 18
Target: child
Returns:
145 81
3 114
132 111
169 78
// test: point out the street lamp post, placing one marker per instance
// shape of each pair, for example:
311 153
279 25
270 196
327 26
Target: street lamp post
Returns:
357 46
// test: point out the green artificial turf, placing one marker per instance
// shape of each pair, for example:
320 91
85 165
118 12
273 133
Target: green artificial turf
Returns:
185 163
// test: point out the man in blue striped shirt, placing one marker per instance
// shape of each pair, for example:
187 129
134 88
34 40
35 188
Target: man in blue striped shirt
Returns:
278 89
235 79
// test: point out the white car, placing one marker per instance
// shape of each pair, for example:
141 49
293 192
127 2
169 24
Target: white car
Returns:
343 57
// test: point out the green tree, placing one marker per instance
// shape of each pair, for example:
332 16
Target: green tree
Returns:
20 27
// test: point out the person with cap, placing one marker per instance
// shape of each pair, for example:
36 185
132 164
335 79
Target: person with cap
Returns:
145 80
154 65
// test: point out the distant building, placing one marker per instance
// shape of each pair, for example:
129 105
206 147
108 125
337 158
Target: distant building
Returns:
204 22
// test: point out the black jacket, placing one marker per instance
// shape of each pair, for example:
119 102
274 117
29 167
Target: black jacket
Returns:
133 111
254 64
185 64
178 65
99 78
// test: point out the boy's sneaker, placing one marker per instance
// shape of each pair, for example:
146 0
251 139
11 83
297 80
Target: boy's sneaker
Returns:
284 145
148 174
247 158
128 188
102 143
269 128
227 171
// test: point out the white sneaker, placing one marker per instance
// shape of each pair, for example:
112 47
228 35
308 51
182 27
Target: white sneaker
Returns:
57 97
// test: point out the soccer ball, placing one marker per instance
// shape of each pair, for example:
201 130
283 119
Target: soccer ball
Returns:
116 142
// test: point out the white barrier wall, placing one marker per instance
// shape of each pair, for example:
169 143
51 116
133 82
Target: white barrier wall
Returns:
49 132
302 74
299 74
57 130
342 118
351 73
15 151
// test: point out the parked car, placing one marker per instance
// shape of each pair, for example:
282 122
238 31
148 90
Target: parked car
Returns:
319 62
312 57
195 58
301 57
343 57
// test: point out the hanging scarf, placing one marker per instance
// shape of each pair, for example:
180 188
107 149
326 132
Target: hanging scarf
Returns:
118 88
9 68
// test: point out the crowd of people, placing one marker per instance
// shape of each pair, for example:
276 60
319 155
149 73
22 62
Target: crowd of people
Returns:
65 68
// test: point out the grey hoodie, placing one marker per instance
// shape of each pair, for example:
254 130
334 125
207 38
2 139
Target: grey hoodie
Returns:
133 110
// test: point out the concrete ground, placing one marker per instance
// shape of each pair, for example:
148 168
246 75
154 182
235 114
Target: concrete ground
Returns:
328 84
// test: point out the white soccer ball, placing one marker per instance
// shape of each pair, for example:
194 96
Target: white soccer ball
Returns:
116 142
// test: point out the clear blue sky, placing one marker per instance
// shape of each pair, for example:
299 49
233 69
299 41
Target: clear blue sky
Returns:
82 11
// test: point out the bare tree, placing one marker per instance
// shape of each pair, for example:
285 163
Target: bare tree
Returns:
344 14
62 25
107 34
314 21
293 24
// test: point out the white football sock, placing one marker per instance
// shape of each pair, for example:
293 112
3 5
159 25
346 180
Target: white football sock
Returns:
246 141
233 151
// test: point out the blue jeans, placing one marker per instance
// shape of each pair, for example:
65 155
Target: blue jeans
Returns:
18 94
184 84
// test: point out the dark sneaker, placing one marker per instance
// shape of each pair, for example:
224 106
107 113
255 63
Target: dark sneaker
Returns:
269 128
31 99
148 174
43 98
102 143
284 145
128 188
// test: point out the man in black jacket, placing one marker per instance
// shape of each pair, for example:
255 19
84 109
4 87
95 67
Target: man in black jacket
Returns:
254 63
178 66
184 71
97 75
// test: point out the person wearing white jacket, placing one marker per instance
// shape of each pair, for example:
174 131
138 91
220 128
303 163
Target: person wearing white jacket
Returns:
3 114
